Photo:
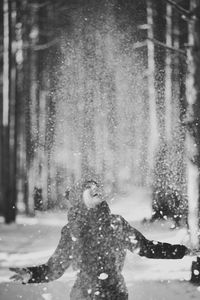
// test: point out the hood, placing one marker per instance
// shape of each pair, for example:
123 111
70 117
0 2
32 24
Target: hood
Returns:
76 191
78 214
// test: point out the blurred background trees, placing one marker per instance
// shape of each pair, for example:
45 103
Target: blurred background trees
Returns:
100 86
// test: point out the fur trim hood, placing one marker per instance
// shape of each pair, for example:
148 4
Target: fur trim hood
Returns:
76 191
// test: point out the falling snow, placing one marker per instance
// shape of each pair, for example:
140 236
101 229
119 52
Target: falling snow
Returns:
99 122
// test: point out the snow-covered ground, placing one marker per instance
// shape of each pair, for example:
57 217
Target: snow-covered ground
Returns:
32 240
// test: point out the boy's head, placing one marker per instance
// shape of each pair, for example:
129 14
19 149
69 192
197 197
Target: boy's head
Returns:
92 195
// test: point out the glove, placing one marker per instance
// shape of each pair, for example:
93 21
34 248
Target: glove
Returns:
22 275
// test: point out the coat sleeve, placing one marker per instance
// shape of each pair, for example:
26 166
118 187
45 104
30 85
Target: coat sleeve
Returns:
134 240
57 263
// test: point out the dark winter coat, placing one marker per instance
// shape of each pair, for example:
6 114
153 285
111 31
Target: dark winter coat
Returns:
95 242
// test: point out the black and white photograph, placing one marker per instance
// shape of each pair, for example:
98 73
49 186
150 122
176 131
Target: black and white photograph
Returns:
99 149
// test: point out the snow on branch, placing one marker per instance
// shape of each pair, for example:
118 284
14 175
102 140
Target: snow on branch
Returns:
182 52
187 15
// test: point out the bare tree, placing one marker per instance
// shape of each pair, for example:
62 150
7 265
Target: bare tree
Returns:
153 135
193 124
168 74
9 112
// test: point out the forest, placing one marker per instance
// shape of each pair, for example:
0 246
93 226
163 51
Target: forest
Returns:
100 86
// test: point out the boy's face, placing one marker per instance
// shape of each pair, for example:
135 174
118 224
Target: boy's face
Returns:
91 195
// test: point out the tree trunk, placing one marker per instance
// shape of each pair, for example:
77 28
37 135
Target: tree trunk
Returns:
32 116
9 116
1 107
20 111
193 126
5 113
153 128
168 74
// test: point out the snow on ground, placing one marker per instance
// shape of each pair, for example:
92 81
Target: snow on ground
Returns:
32 240
140 290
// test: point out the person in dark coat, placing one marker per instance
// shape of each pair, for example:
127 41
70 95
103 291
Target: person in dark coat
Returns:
95 242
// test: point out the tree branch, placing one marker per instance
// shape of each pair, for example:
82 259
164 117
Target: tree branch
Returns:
42 46
38 5
35 47
182 52
139 45
185 13
178 7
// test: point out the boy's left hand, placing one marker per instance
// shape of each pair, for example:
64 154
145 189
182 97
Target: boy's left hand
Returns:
22 275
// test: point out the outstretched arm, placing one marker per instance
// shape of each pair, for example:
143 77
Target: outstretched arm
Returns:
152 249
55 266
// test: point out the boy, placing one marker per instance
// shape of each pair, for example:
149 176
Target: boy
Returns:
95 242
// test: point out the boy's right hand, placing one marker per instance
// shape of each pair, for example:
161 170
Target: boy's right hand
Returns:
192 252
22 275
